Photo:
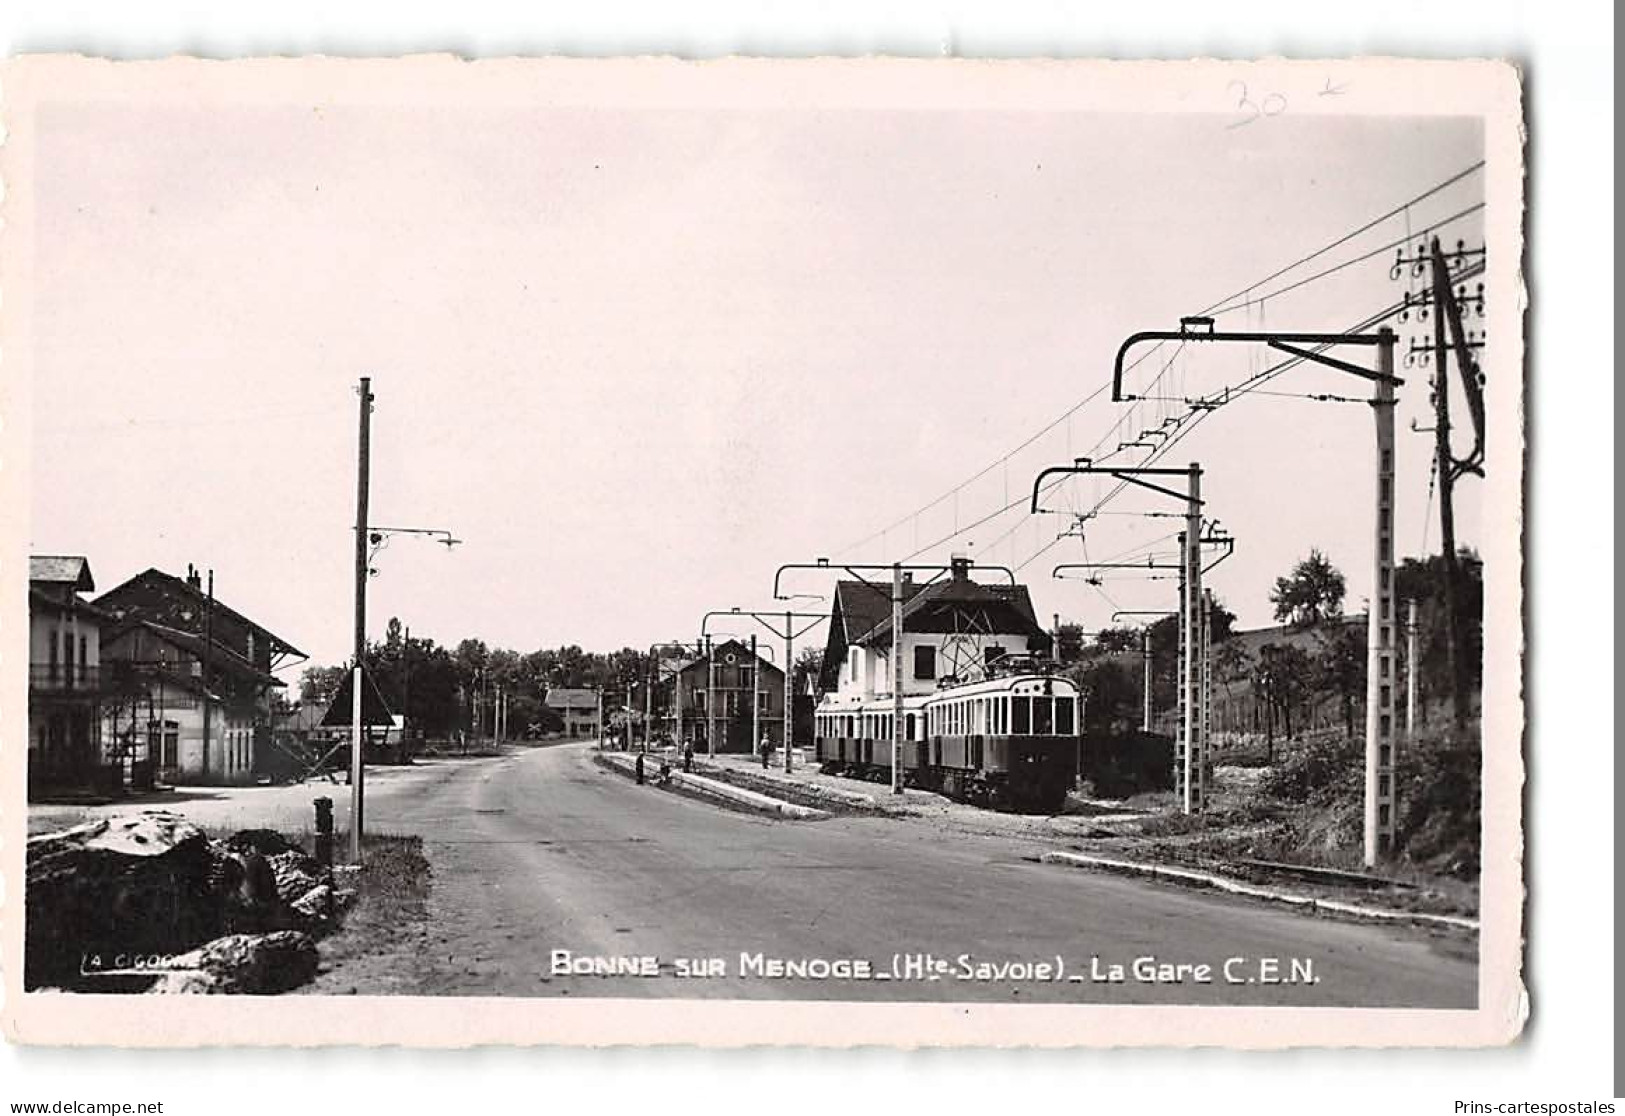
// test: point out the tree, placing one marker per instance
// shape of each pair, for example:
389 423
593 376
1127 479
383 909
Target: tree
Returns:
1281 680
1111 705
1312 593
809 667
1423 581
318 685
1110 641
1165 650
1069 643
1340 668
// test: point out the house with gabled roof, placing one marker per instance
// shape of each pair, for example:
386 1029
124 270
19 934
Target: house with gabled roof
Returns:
577 706
192 679
725 693
65 682
954 628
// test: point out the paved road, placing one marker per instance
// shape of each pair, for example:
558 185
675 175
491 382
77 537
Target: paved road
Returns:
544 850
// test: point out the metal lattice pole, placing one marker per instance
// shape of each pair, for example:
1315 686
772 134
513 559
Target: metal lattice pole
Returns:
710 697
1190 662
1207 689
897 679
1145 660
789 691
1410 669
1380 674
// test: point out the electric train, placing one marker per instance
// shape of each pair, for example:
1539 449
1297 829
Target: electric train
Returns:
1011 742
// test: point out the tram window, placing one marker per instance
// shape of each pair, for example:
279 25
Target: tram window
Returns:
908 724
1021 716
1063 716
1043 716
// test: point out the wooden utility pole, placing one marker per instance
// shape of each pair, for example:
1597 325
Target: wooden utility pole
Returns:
357 746
1455 645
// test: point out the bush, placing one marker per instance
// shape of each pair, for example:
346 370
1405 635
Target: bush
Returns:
1439 781
1320 772
1129 764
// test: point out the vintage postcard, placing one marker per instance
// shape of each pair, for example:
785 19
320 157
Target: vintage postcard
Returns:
812 552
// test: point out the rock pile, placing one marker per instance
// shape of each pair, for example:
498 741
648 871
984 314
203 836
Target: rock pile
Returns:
126 902
252 964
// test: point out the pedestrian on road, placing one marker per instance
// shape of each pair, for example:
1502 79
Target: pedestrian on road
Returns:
688 755
638 764
767 751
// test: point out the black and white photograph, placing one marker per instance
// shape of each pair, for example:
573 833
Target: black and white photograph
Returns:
720 552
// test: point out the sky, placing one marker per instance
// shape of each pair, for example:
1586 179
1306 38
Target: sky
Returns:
639 357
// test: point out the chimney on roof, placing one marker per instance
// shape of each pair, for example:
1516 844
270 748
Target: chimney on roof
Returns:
960 565
193 578
908 577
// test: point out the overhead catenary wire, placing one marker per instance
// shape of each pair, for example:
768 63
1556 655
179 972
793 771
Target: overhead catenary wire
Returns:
1182 425
1433 227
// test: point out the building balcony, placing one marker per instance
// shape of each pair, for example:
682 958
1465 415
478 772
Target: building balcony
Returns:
60 678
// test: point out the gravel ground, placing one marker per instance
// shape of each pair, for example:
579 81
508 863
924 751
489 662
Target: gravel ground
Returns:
289 809
1108 828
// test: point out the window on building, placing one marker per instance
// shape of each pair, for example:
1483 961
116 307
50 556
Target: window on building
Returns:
925 663
51 646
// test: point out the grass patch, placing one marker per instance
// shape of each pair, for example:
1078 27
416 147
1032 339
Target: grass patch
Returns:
376 947
393 883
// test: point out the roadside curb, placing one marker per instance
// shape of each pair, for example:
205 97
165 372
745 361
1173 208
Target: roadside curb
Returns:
1190 877
698 786
844 799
